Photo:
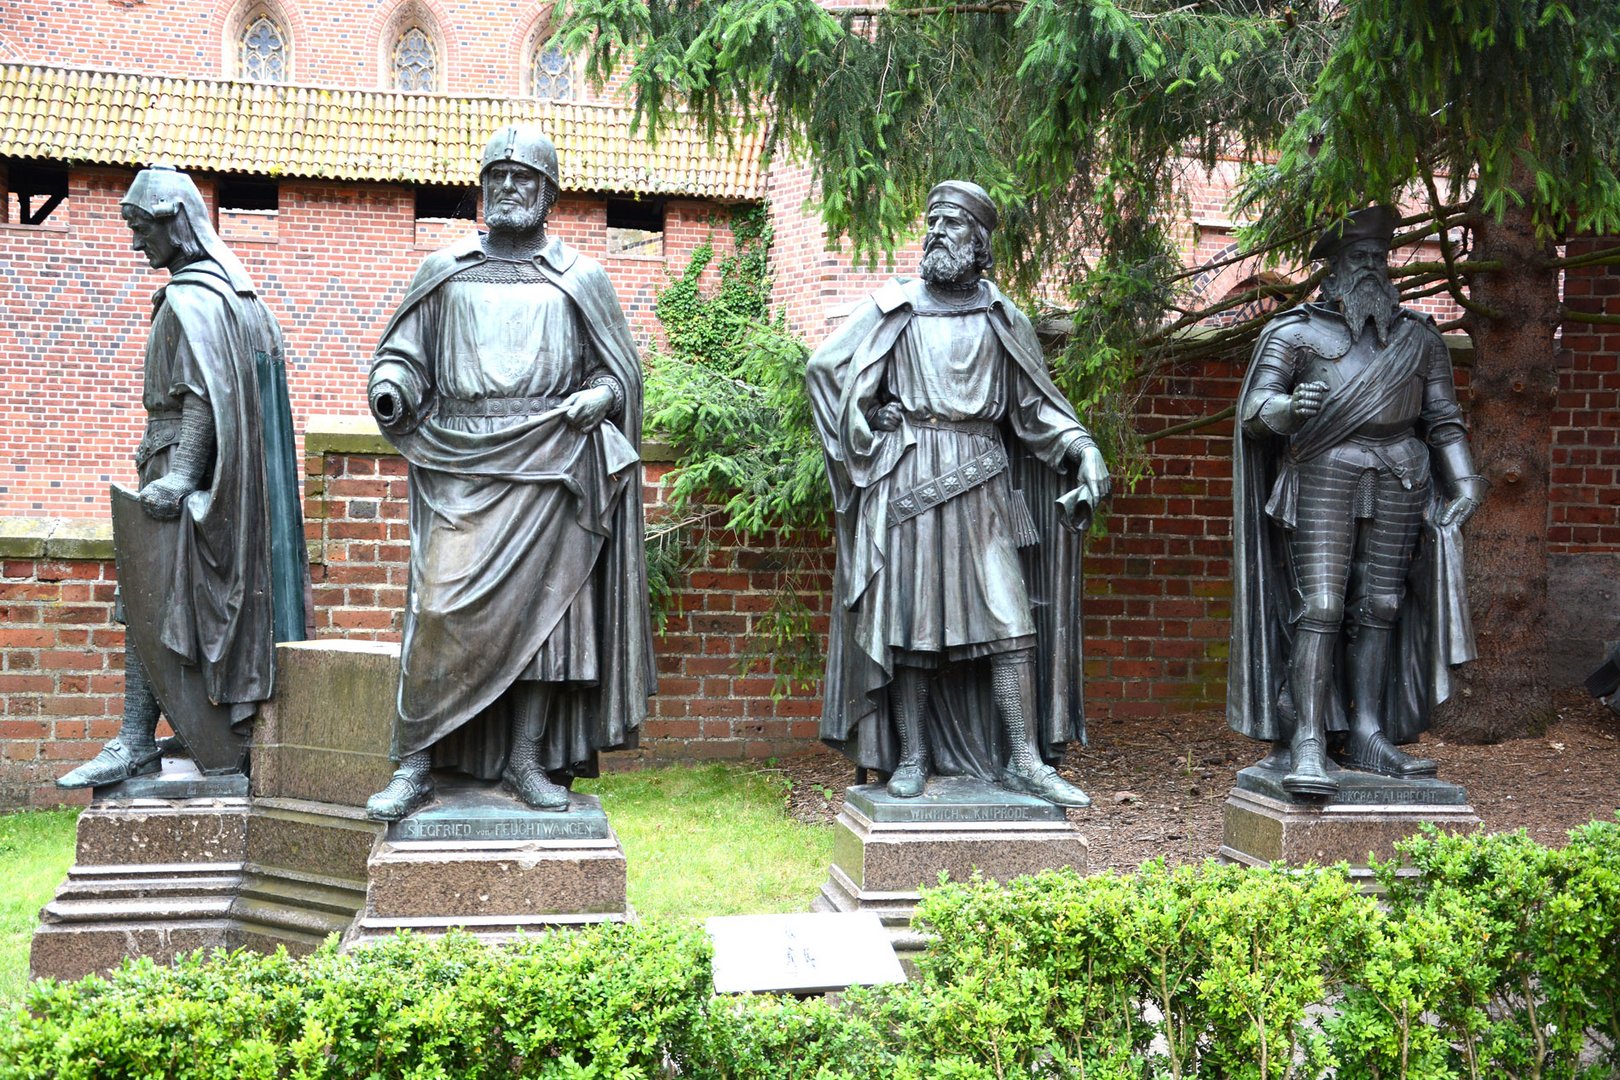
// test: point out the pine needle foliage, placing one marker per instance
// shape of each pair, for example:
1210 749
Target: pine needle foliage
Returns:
1090 120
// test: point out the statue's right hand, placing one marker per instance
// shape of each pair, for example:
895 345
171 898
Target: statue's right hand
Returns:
887 418
1307 399
388 406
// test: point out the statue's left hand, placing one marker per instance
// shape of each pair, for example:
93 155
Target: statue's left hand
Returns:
588 407
1458 511
1094 474
162 497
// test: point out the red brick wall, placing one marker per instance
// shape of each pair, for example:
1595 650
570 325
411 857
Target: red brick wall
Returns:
1584 515
484 48
61 672
61 654
76 301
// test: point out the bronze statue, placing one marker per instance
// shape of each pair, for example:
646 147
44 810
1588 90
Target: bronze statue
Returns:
1352 482
211 556
509 381
955 639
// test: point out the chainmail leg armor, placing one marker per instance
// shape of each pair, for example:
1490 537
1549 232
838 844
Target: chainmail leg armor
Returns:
419 763
908 697
1011 680
139 729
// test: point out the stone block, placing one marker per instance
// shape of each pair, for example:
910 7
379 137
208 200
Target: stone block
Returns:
162 832
882 866
1364 822
494 888
151 877
326 735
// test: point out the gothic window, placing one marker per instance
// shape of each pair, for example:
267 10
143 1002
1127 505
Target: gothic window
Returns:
553 74
416 61
264 51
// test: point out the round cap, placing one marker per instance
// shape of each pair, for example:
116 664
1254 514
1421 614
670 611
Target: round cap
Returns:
526 145
966 196
1373 223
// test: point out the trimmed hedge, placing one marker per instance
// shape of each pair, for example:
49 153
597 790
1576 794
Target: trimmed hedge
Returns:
1501 960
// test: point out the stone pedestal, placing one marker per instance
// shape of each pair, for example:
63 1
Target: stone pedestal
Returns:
182 861
156 869
478 859
1265 824
886 849
320 748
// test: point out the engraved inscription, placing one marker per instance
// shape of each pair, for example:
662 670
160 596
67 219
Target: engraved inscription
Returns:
518 829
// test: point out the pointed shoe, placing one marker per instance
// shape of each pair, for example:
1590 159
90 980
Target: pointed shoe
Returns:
406 793
537 790
115 762
1044 782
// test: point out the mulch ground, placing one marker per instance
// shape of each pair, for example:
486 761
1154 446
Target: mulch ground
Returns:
1157 786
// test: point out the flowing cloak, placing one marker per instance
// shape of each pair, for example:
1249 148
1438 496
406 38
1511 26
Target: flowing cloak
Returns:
241 568
964 737
1434 631
507 527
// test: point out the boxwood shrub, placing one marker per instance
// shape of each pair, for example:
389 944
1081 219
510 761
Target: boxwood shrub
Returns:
1498 958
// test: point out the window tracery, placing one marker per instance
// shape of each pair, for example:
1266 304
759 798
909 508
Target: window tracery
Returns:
552 74
262 53
416 61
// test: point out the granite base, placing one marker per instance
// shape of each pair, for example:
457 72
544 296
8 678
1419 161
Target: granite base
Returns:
885 850
479 860
151 877
1363 822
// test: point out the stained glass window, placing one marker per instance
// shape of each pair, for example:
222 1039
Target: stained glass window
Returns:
553 74
416 63
264 51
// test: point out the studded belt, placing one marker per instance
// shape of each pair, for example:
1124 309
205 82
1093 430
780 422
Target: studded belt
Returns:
498 406
967 427
161 431
947 485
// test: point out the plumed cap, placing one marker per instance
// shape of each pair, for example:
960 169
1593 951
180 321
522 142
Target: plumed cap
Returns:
1373 223
967 196
526 145
165 192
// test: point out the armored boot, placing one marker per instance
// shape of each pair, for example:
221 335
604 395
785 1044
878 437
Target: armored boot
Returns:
1013 683
1369 749
1310 669
134 751
908 699
410 788
523 775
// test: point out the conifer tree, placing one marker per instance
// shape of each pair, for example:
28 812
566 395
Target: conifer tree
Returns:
1086 119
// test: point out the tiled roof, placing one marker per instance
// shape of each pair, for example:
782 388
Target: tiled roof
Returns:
108 118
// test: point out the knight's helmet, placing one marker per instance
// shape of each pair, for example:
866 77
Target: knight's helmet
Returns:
165 192
527 145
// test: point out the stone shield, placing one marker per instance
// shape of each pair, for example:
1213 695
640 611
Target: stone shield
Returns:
146 549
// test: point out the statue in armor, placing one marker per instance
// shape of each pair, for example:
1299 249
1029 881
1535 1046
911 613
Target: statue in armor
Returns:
510 383
963 482
1352 482
212 563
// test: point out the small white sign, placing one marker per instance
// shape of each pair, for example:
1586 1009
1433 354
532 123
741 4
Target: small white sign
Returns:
801 953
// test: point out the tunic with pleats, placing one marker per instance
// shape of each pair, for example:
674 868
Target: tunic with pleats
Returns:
952 586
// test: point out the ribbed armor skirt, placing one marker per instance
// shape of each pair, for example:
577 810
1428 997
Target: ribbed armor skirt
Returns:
1355 520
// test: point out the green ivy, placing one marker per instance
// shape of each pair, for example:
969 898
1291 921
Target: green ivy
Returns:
727 390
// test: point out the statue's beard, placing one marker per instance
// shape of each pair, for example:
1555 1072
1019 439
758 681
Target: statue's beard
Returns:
947 264
1368 296
505 217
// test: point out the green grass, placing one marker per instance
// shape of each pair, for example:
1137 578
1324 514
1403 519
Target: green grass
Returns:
699 841
35 850
712 840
